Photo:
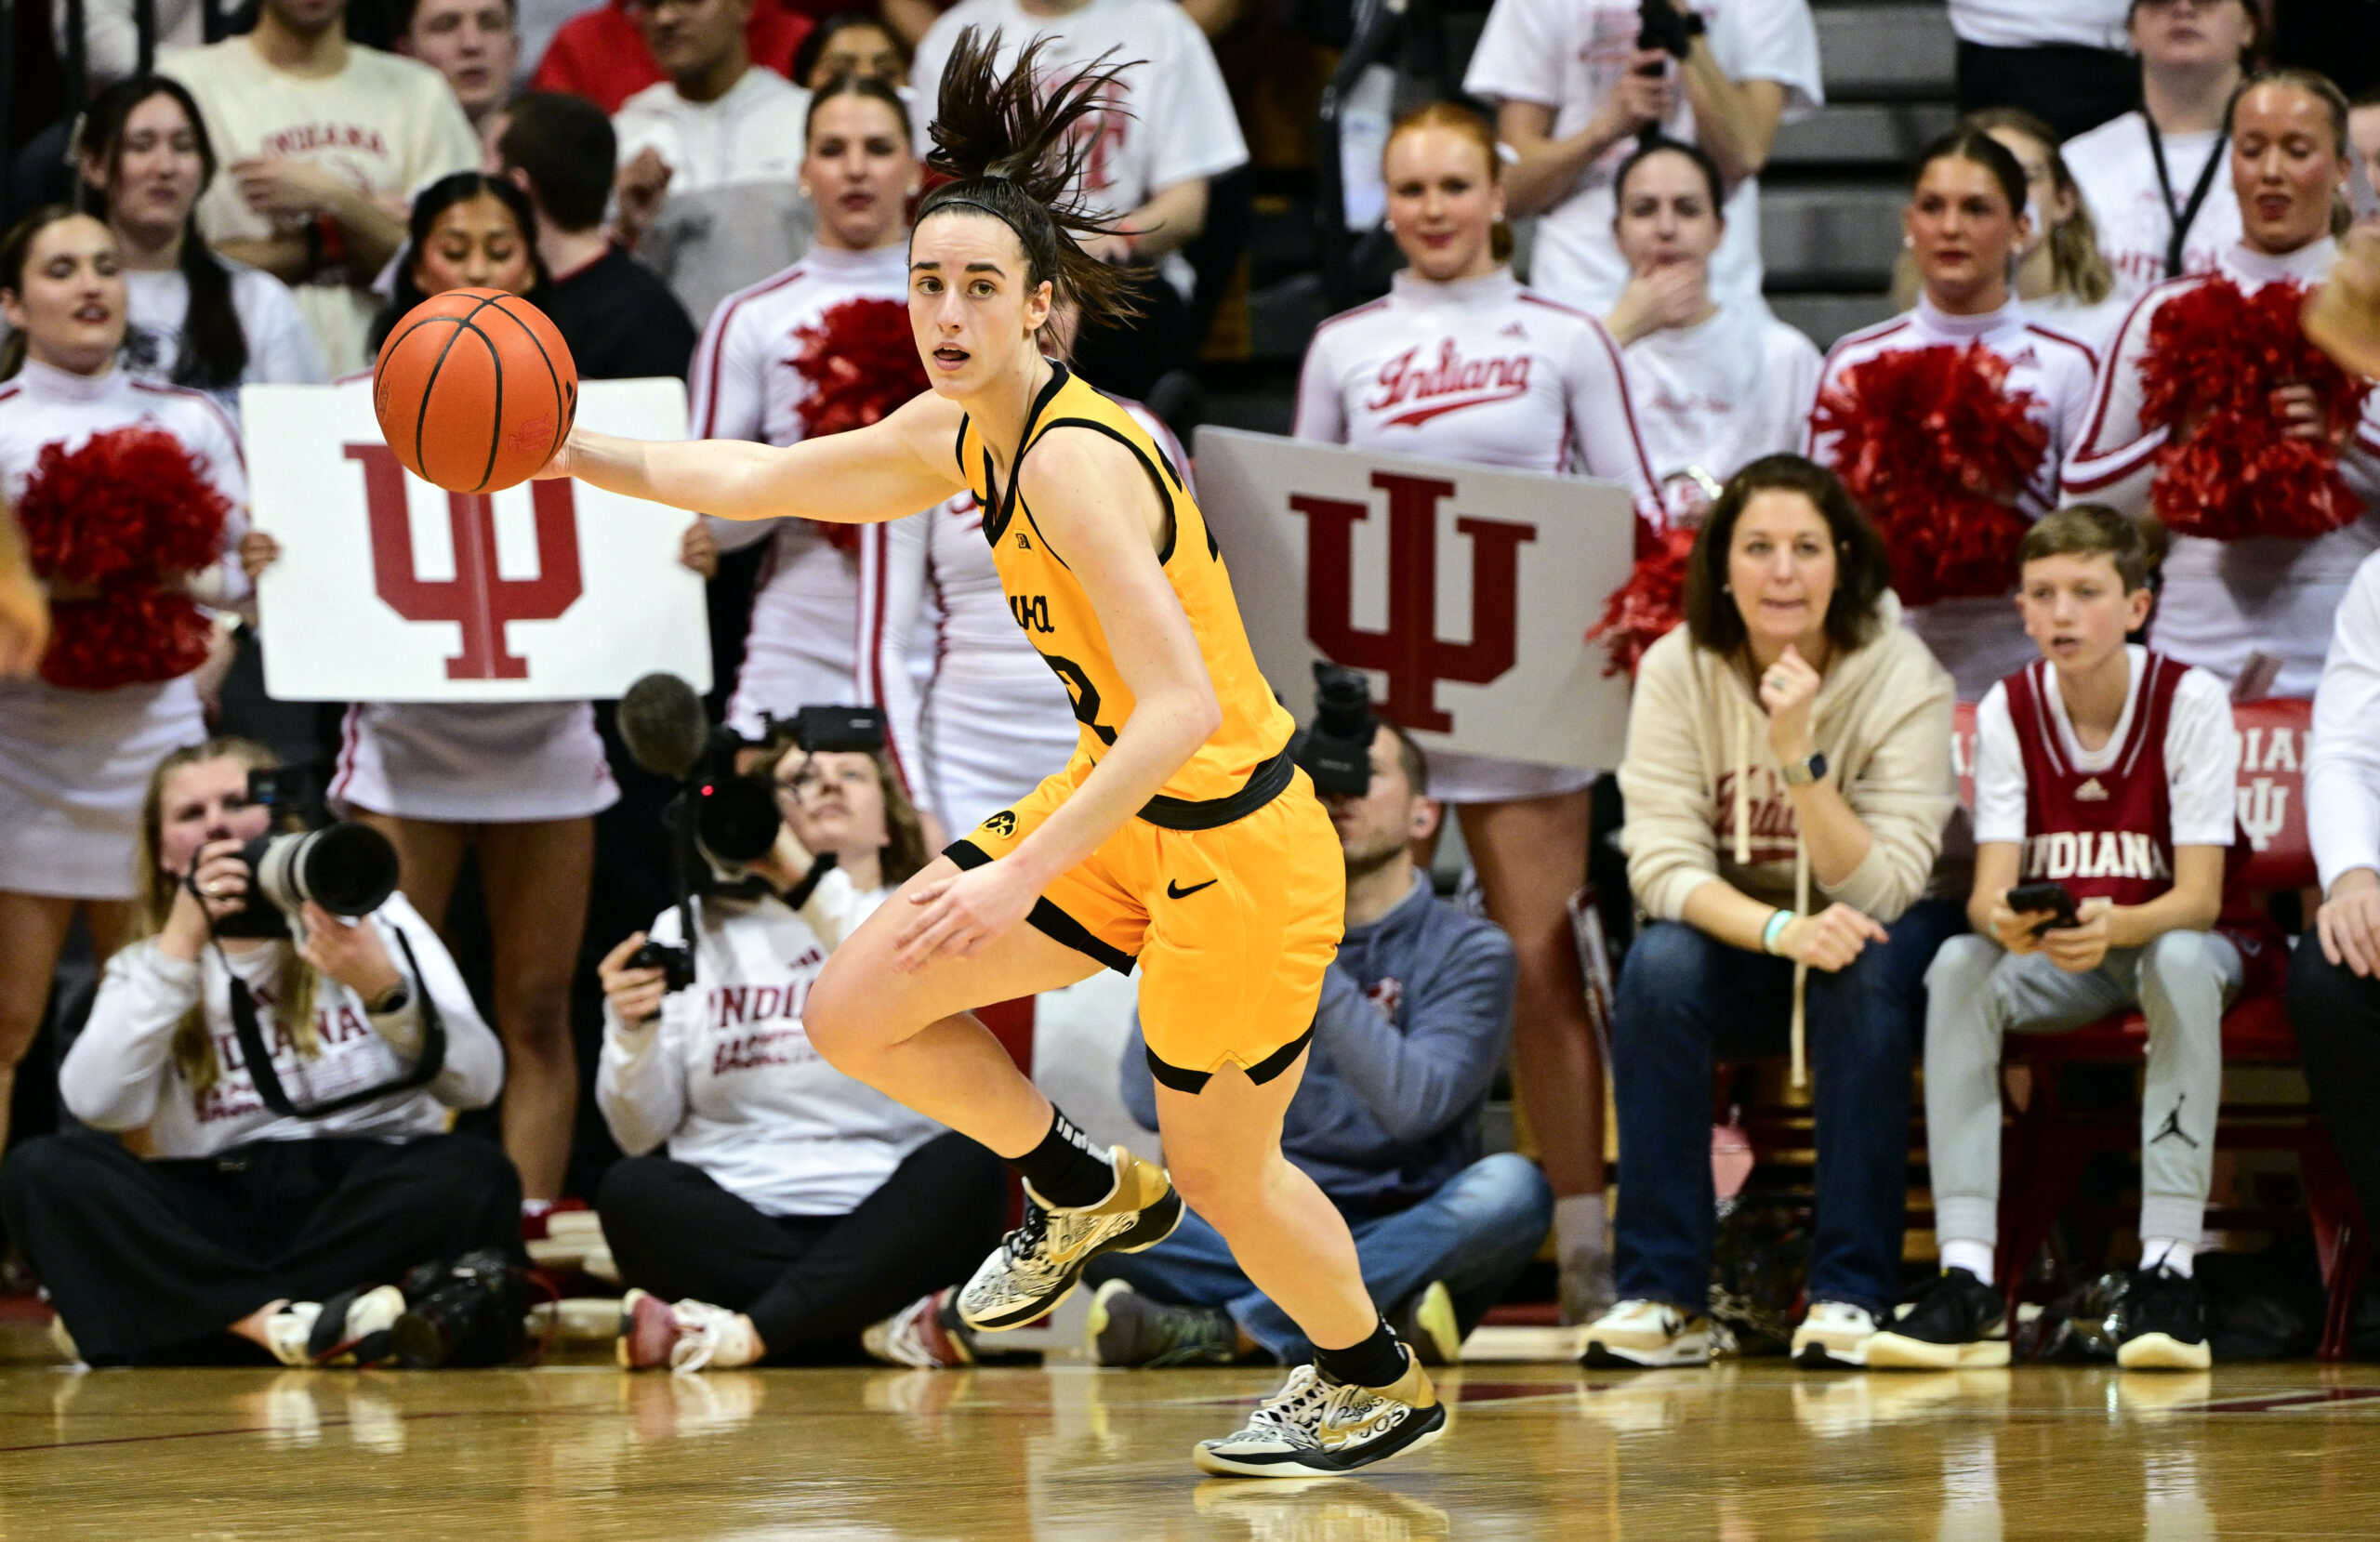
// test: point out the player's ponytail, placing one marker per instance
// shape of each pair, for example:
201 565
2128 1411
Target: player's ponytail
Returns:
1012 152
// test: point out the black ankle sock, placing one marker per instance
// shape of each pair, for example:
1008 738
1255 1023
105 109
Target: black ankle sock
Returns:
1376 1361
1065 1169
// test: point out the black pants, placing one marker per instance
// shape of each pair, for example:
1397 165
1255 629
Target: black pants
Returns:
149 1262
2336 1016
1126 358
2070 88
808 1282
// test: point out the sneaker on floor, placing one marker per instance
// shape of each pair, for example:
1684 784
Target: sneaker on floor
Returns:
351 1328
1959 1323
1038 1265
691 1335
1127 1328
926 1334
1646 1334
1317 1428
2164 1322
1834 1336
1427 1325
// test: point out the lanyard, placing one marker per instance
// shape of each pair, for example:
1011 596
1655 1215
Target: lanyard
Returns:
2187 214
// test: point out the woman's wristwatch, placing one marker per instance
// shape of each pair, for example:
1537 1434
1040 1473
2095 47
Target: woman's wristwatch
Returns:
396 998
1810 769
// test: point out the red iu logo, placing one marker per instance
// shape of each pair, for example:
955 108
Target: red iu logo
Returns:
1410 652
477 597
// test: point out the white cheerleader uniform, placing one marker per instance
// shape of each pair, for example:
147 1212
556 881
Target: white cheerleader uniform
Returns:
985 721
1716 396
1979 639
2225 600
1486 371
74 764
805 643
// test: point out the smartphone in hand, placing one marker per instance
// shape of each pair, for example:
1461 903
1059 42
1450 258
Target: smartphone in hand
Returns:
2044 896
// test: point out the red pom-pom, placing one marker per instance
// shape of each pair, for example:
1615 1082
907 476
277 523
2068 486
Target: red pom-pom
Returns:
1937 449
1651 603
2215 355
124 510
861 362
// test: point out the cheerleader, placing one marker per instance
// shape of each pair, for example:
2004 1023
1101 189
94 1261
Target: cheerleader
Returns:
756 379
1965 223
2161 430
1716 387
75 757
197 320
1391 376
973 718
518 783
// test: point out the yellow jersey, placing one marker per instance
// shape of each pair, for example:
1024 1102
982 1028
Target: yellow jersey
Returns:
1245 763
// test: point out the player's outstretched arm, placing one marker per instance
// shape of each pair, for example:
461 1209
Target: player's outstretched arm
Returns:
883 471
1095 510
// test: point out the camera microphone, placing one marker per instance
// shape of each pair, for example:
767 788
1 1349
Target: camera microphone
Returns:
664 725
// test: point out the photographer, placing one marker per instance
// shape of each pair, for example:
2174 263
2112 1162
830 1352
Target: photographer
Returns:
1415 1017
795 1207
248 1222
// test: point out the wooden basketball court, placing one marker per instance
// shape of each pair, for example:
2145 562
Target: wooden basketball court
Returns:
586 1453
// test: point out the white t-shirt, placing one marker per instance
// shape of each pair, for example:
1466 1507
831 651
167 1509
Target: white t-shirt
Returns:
1720 394
803 646
283 349
1569 55
2202 758
2033 24
121 1074
2117 174
2343 761
1978 638
2225 600
1171 121
729 1079
385 124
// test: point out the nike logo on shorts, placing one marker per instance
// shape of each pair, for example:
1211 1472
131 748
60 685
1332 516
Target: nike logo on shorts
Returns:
1175 891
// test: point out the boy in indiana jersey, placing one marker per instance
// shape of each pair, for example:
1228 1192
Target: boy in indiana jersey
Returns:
2107 769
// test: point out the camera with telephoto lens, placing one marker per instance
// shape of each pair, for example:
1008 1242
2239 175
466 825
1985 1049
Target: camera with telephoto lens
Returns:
1662 25
1337 750
468 1313
348 869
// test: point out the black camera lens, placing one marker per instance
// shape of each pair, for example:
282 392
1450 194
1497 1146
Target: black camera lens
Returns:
738 818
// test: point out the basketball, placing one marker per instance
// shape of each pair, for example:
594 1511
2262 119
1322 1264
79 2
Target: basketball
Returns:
474 390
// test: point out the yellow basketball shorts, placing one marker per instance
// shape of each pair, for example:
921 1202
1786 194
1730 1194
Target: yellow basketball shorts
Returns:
1232 926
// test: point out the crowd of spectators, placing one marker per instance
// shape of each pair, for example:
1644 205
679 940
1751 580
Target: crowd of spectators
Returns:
685 185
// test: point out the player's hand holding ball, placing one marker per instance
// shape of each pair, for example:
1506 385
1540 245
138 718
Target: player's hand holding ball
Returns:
475 391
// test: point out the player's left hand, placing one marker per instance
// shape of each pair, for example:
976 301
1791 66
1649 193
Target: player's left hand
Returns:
698 550
2078 949
958 916
350 952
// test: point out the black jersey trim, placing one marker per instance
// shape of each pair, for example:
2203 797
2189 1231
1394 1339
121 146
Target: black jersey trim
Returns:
1047 918
958 450
998 504
1264 783
1195 1082
1157 478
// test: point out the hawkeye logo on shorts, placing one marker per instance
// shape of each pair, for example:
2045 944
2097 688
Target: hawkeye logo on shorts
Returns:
1032 613
1003 824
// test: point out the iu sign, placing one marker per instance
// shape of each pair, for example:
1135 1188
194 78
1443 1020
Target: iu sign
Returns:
1466 590
389 589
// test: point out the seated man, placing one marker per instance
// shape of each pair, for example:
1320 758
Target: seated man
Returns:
2104 825
1415 1018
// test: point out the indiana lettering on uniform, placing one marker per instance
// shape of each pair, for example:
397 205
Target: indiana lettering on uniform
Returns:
2096 854
234 1095
1474 381
752 1051
733 1004
298 138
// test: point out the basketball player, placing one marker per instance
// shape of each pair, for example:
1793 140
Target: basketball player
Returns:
2106 771
1181 834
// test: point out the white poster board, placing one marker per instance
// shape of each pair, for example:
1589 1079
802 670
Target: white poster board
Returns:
1465 590
389 590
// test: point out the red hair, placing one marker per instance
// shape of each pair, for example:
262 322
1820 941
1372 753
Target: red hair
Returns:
1453 115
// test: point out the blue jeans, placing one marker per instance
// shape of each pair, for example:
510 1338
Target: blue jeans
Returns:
1686 1000
1475 1235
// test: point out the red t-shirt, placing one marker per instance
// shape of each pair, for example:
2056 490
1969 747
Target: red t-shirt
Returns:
602 56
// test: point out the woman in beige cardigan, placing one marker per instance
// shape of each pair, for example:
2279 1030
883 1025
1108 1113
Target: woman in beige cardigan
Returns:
1787 775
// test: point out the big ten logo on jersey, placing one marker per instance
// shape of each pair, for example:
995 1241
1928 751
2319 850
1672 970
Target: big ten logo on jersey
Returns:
2272 759
1409 651
479 597
1032 613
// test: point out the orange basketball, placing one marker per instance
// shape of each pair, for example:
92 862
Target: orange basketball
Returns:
475 390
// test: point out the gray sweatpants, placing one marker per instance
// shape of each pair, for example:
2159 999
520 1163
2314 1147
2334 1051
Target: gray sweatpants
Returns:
1979 993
